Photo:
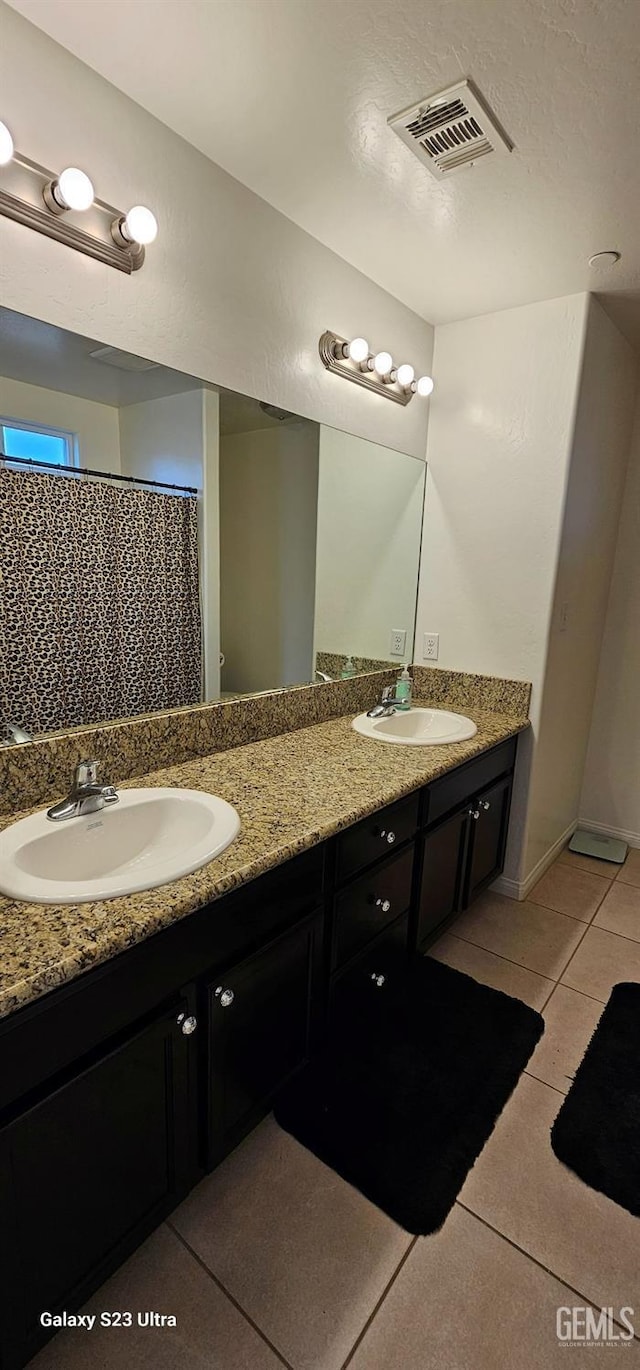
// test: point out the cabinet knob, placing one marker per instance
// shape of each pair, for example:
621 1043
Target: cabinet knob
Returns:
384 904
226 996
484 804
187 1023
378 980
475 814
386 835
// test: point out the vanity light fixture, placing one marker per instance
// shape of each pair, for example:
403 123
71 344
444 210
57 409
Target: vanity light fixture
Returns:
40 199
377 371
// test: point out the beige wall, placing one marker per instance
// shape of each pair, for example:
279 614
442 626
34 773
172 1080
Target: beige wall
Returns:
500 436
268 513
599 460
610 800
95 425
369 520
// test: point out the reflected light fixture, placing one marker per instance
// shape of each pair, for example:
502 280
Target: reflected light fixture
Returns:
355 362
46 201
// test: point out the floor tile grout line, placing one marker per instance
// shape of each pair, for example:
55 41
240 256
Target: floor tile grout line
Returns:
214 1278
376 1309
541 1266
498 954
545 1082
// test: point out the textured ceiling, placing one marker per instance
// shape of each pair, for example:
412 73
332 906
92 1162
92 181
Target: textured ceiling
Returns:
292 97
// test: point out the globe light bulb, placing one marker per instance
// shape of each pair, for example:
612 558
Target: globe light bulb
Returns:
358 350
405 375
140 225
424 385
73 189
383 363
6 145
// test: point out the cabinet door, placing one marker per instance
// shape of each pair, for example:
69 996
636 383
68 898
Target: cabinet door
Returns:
86 1172
443 852
487 838
262 1017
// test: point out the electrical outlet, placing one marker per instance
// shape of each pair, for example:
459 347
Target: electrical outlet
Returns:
430 646
398 641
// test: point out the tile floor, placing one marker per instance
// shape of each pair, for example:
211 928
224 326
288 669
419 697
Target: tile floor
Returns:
273 1260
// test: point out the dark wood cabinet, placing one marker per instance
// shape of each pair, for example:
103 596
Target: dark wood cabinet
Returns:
464 852
87 1171
443 851
120 1089
262 1018
489 821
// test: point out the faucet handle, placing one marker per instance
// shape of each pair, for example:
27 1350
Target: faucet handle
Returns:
388 693
86 773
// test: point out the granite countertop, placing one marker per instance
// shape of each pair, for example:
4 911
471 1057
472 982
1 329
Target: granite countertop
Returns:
291 792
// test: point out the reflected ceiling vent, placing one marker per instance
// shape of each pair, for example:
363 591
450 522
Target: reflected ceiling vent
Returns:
123 361
451 130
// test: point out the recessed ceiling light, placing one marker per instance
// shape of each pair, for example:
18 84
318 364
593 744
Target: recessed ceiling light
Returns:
605 258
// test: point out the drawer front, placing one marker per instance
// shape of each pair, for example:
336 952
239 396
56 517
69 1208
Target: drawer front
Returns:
376 836
370 905
463 783
380 966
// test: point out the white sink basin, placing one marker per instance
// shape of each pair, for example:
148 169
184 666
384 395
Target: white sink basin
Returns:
147 839
417 727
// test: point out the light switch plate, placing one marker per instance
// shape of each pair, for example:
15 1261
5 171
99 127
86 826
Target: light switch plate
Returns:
431 646
398 641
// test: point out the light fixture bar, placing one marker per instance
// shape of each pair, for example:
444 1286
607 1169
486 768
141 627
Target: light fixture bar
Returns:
331 355
24 190
376 372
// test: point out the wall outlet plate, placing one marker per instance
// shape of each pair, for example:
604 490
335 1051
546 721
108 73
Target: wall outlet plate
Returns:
430 646
398 641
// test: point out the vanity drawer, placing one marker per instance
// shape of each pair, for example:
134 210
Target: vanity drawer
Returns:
376 836
370 905
458 787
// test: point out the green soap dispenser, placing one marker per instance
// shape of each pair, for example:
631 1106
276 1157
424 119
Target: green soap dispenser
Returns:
349 669
403 690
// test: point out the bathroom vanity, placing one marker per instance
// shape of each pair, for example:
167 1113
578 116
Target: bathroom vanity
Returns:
123 1086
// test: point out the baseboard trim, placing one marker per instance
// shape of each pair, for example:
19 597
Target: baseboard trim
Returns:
633 838
519 889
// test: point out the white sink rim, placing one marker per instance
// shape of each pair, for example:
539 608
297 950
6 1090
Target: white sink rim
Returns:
447 727
221 825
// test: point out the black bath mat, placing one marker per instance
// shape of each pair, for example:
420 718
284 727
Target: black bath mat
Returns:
597 1131
409 1088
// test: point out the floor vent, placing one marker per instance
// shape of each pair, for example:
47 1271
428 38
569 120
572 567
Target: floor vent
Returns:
451 130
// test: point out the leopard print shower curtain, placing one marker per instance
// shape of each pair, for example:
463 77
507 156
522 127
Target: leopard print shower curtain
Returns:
99 601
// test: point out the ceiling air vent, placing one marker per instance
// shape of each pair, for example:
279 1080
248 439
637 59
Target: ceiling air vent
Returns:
451 130
123 361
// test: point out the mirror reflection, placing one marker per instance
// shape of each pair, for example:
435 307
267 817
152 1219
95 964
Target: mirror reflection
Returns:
165 541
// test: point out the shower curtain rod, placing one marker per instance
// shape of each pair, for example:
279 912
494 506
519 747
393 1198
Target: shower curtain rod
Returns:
104 475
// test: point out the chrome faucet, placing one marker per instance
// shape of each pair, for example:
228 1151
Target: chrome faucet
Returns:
86 794
387 705
322 675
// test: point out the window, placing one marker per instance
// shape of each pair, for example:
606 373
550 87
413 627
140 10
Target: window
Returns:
50 446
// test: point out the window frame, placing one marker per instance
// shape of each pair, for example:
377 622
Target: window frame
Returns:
71 461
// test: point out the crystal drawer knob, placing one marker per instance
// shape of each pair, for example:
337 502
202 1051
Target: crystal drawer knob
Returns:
387 835
384 904
188 1024
378 980
226 996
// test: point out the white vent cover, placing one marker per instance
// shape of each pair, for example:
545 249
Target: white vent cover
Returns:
123 361
451 129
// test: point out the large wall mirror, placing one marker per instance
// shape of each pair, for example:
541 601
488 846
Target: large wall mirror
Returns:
164 541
